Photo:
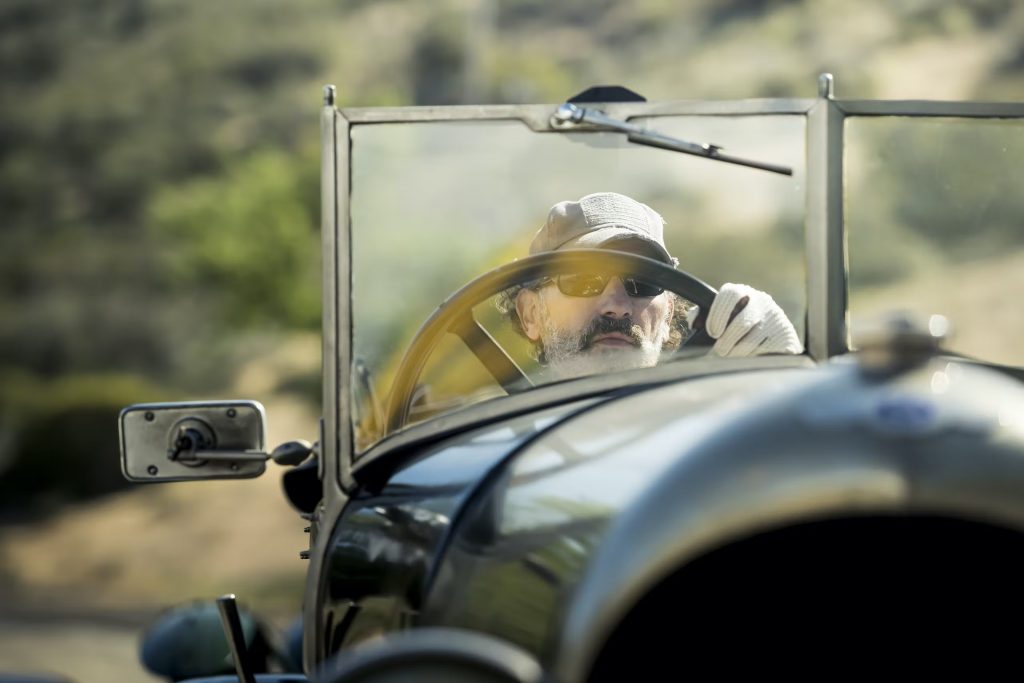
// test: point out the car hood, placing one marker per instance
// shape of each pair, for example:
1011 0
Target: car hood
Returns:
599 507
531 526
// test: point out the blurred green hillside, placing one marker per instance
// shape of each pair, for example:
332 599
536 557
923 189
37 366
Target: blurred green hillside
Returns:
158 158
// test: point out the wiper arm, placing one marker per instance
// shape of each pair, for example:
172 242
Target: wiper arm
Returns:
569 114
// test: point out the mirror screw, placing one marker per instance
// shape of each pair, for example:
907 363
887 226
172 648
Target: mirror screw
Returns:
232 412
152 469
149 416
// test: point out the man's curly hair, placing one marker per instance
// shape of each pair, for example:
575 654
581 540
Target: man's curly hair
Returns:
679 326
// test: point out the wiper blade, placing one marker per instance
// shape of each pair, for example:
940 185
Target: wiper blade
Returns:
568 115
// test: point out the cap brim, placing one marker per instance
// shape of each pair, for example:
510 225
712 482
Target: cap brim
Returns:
604 237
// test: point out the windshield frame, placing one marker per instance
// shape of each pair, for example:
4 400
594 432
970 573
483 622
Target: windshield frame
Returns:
826 268
828 326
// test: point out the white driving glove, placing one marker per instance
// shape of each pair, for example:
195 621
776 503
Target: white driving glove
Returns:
760 328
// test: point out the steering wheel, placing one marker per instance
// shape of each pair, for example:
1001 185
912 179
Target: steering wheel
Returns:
455 315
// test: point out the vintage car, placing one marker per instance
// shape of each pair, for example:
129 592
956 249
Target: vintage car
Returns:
853 511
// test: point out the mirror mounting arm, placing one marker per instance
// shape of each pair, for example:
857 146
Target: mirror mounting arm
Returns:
289 453
223 456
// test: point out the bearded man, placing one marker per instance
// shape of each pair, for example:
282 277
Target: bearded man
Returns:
584 323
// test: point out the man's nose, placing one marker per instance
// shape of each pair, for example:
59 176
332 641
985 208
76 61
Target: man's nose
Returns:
614 302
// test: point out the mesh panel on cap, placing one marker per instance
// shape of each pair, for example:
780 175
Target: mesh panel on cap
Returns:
607 208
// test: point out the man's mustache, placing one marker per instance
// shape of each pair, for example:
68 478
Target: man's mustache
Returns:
604 325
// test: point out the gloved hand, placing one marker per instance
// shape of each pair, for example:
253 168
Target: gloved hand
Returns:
748 322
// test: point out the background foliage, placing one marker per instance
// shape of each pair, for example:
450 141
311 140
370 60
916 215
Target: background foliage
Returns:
158 158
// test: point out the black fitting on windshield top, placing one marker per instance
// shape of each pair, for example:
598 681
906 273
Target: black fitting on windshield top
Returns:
606 93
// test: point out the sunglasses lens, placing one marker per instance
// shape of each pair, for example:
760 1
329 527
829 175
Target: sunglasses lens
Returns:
592 284
640 288
582 284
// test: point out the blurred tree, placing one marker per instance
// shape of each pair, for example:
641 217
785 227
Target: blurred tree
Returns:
251 235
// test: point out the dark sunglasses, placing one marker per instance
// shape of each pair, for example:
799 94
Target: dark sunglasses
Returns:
592 284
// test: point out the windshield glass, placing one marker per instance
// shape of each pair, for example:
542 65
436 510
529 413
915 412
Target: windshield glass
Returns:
436 204
935 222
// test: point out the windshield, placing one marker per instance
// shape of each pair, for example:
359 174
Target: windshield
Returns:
935 225
436 204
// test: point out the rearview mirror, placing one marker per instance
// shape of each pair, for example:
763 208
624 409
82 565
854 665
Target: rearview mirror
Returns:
194 440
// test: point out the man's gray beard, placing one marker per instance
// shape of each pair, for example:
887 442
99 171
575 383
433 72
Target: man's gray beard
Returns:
566 358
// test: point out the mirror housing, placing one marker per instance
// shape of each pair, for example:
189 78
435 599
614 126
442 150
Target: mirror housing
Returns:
193 440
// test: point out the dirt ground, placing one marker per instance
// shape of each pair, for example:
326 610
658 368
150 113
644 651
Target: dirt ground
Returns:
978 299
114 558
79 650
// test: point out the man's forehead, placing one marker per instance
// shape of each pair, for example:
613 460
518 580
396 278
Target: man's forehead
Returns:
604 261
633 245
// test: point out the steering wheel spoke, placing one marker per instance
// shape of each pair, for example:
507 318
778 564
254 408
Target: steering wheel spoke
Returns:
503 369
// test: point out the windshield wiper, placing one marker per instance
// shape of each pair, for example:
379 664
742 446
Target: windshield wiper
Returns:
568 115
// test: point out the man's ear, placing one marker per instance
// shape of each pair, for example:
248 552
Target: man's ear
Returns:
528 307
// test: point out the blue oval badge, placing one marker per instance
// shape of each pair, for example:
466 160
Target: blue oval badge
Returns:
905 415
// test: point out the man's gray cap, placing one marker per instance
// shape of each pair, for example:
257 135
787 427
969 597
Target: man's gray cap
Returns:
600 219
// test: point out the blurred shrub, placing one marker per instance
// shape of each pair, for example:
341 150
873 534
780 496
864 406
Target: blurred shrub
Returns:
969 212
59 438
918 199
253 233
